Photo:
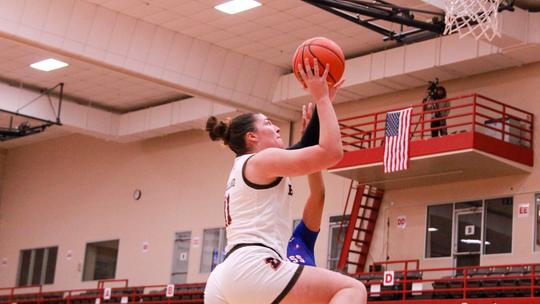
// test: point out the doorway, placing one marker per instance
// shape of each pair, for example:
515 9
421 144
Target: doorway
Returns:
182 243
468 238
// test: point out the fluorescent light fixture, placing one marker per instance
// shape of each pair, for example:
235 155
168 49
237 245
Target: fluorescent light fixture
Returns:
48 65
237 6
432 229
469 241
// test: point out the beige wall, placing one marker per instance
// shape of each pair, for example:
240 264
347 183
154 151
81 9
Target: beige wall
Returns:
73 190
76 189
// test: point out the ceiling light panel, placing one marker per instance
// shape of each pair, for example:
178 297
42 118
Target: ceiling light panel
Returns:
237 6
48 65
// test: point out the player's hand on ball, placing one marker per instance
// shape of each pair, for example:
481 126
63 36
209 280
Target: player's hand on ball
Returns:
316 84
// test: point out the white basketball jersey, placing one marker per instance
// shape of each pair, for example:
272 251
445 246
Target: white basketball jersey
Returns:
257 213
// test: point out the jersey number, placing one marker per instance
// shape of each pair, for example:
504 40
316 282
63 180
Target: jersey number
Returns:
297 259
274 263
228 219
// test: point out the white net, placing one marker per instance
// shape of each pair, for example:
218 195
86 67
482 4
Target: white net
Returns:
472 17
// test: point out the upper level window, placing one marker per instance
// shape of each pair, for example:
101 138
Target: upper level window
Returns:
37 266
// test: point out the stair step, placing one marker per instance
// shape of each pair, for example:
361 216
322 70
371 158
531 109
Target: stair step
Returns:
364 230
358 252
359 241
370 207
366 218
375 197
362 240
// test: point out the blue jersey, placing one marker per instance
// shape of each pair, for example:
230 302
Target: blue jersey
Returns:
301 247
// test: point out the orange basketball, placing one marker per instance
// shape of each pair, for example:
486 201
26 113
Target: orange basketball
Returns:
326 51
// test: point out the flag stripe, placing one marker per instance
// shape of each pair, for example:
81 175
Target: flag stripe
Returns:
397 137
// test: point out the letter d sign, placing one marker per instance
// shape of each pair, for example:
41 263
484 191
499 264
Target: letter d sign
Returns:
388 278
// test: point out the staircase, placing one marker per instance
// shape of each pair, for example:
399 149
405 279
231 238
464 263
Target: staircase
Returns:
359 231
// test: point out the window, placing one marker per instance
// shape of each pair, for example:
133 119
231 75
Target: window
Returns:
469 205
498 225
335 245
37 266
537 234
100 260
213 251
439 231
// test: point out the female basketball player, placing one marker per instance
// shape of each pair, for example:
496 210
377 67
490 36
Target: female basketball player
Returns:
256 209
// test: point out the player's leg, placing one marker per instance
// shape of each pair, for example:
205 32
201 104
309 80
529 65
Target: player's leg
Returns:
212 292
318 285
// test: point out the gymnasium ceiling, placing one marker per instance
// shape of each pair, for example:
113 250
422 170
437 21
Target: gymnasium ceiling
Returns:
178 60
269 33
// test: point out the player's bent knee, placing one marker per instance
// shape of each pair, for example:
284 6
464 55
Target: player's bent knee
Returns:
361 290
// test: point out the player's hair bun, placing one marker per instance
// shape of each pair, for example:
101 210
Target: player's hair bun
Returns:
218 130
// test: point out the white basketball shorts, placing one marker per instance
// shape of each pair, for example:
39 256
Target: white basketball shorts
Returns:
251 274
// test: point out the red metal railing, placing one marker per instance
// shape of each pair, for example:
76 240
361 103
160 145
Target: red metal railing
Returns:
101 283
183 293
468 113
513 280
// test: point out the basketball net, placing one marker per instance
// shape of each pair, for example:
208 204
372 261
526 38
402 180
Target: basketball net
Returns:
472 17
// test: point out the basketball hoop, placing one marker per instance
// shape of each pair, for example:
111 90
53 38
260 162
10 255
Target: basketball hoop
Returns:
472 17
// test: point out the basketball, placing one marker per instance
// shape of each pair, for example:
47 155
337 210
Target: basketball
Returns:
326 51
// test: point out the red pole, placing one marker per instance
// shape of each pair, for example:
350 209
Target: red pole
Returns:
465 283
504 124
343 258
474 113
531 133
533 282
404 289
375 131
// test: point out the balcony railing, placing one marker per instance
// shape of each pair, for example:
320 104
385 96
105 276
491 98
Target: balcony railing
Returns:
150 294
468 113
505 283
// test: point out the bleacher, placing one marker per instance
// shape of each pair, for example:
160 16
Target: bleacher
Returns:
503 283
517 283
183 293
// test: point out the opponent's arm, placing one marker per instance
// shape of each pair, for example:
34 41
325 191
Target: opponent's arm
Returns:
315 203
310 128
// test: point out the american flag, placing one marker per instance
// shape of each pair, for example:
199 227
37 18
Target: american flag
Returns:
396 140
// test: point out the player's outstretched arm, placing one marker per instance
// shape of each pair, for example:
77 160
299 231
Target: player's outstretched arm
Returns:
274 162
